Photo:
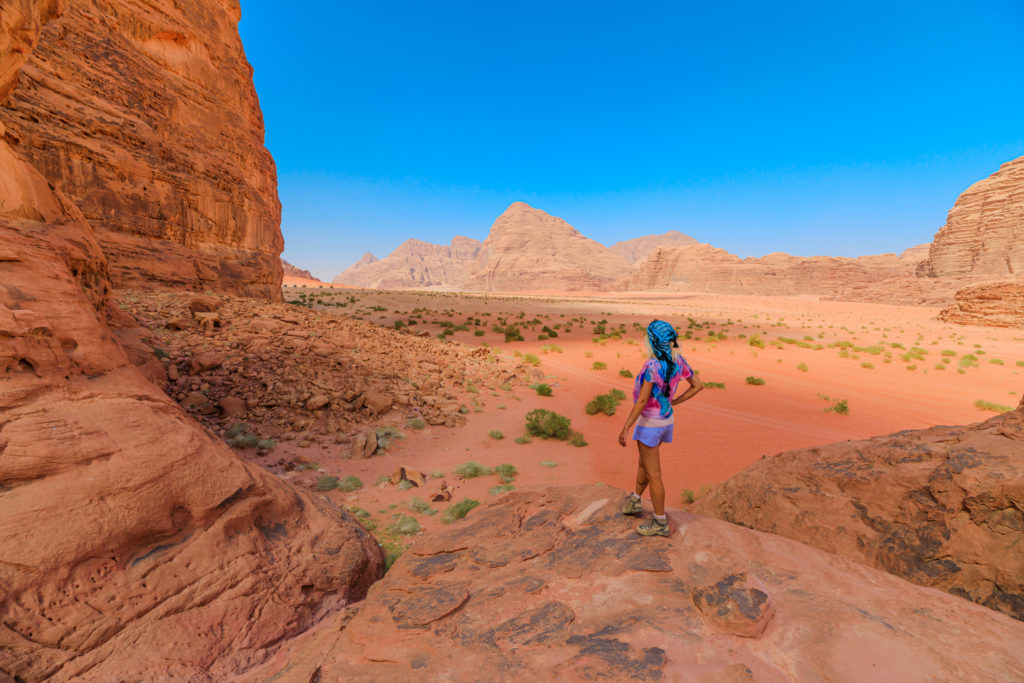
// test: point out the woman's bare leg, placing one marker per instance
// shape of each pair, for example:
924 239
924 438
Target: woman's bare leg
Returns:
641 477
650 459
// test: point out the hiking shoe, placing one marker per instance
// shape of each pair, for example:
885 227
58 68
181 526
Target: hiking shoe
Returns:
653 527
632 506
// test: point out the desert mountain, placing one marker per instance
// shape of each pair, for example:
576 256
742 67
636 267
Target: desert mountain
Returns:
638 248
160 142
415 264
530 249
295 272
983 237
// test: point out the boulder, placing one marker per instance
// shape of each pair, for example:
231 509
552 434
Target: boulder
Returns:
317 401
202 303
206 361
364 445
377 402
231 406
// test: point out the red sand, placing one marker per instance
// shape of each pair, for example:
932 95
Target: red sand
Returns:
719 432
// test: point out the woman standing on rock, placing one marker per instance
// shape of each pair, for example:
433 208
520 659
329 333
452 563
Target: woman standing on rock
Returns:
652 411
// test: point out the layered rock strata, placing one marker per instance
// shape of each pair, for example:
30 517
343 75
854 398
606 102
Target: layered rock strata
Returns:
984 232
992 305
415 264
132 544
942 507
555 584
637 249
146 117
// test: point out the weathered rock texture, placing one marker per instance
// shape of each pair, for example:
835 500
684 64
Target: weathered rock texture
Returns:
942 507
415 264
132 545
295 272
530 249
554 584
704 268
993 305
984 232
637 249
146 116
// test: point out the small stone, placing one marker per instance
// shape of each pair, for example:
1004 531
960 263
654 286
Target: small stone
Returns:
231 406
317 402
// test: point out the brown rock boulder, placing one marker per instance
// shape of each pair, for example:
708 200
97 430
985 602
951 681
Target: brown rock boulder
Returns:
231 406
941 507
364 445
317 402
555 584
205 362
377 402
991 305
735 605
202 303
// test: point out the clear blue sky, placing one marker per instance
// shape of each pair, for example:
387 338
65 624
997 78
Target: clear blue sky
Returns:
840 128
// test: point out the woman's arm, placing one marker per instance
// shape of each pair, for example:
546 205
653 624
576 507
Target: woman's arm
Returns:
641 401
695 388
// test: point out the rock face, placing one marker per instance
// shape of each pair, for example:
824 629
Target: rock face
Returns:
703 268
554 584
941 507
984 232
294 272
148 120
415 264
993 305
638 248
132 544
530 249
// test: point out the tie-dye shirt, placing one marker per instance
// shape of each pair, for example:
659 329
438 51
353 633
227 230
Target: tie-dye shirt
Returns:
660 403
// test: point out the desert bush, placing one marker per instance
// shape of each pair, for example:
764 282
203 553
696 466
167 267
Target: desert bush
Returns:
756 381
531 359
839 407
386 435
867 366
605 403
496 435
512 334
349 484
995 407
625 373
802 367
459 510
542 389
548 463
479 333
421 506
472 470
326 482
415 423
755 340
598 365
576 439
506 472
547 424
714 385
404 526
688 496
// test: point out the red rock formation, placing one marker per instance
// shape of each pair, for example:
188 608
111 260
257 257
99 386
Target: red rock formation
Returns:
704 268
146 116
555 584
984 232
294 272
638 249
528 249
993 305
415 264
132 544
940 507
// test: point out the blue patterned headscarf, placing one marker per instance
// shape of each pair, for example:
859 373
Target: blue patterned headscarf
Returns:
662 338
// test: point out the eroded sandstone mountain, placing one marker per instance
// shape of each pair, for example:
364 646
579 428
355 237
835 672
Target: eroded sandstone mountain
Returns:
638 248
145 115
530 249
133 545
295 272
984 232
555 584
941 507
415 264
999 304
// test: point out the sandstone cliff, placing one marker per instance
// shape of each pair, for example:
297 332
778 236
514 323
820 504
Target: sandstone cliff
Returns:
993 305
528 249
133 545
294 272
638 248
555 584
984 232
146 116
940 507
415 264
703 268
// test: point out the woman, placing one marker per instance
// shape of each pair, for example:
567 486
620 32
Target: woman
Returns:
652 395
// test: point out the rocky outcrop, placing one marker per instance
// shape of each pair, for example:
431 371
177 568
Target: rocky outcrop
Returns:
703 268
415 264
146 116
984 232
132 544
942 507
294 272
528 249
638 248
554 584
992 305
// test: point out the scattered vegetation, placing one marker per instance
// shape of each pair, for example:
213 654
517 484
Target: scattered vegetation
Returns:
459 510
994 407
524 439
531 359
802 367
625 373
496 435
756 381
547 424
688 496
386 435
548 463
506 472
577 440
404 526
541 389
714 385
501 488
605 403
599 365
472 470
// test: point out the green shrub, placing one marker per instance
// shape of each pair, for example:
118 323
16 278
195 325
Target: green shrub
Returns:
506 472
688 496
598 365
996 361
755 340
867 366
522 439
995 407
548 463
839 407
496 435
756 381
421 506
531 359
472 470
542 389
501 488
385 435
551 348
459 510
512 334
547 424
350 483
576 439
415 423
802 367
437 474
714 385
1020 364
404 526
605 403
479 333
326 482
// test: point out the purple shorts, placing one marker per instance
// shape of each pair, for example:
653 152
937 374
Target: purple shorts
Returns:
653 431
